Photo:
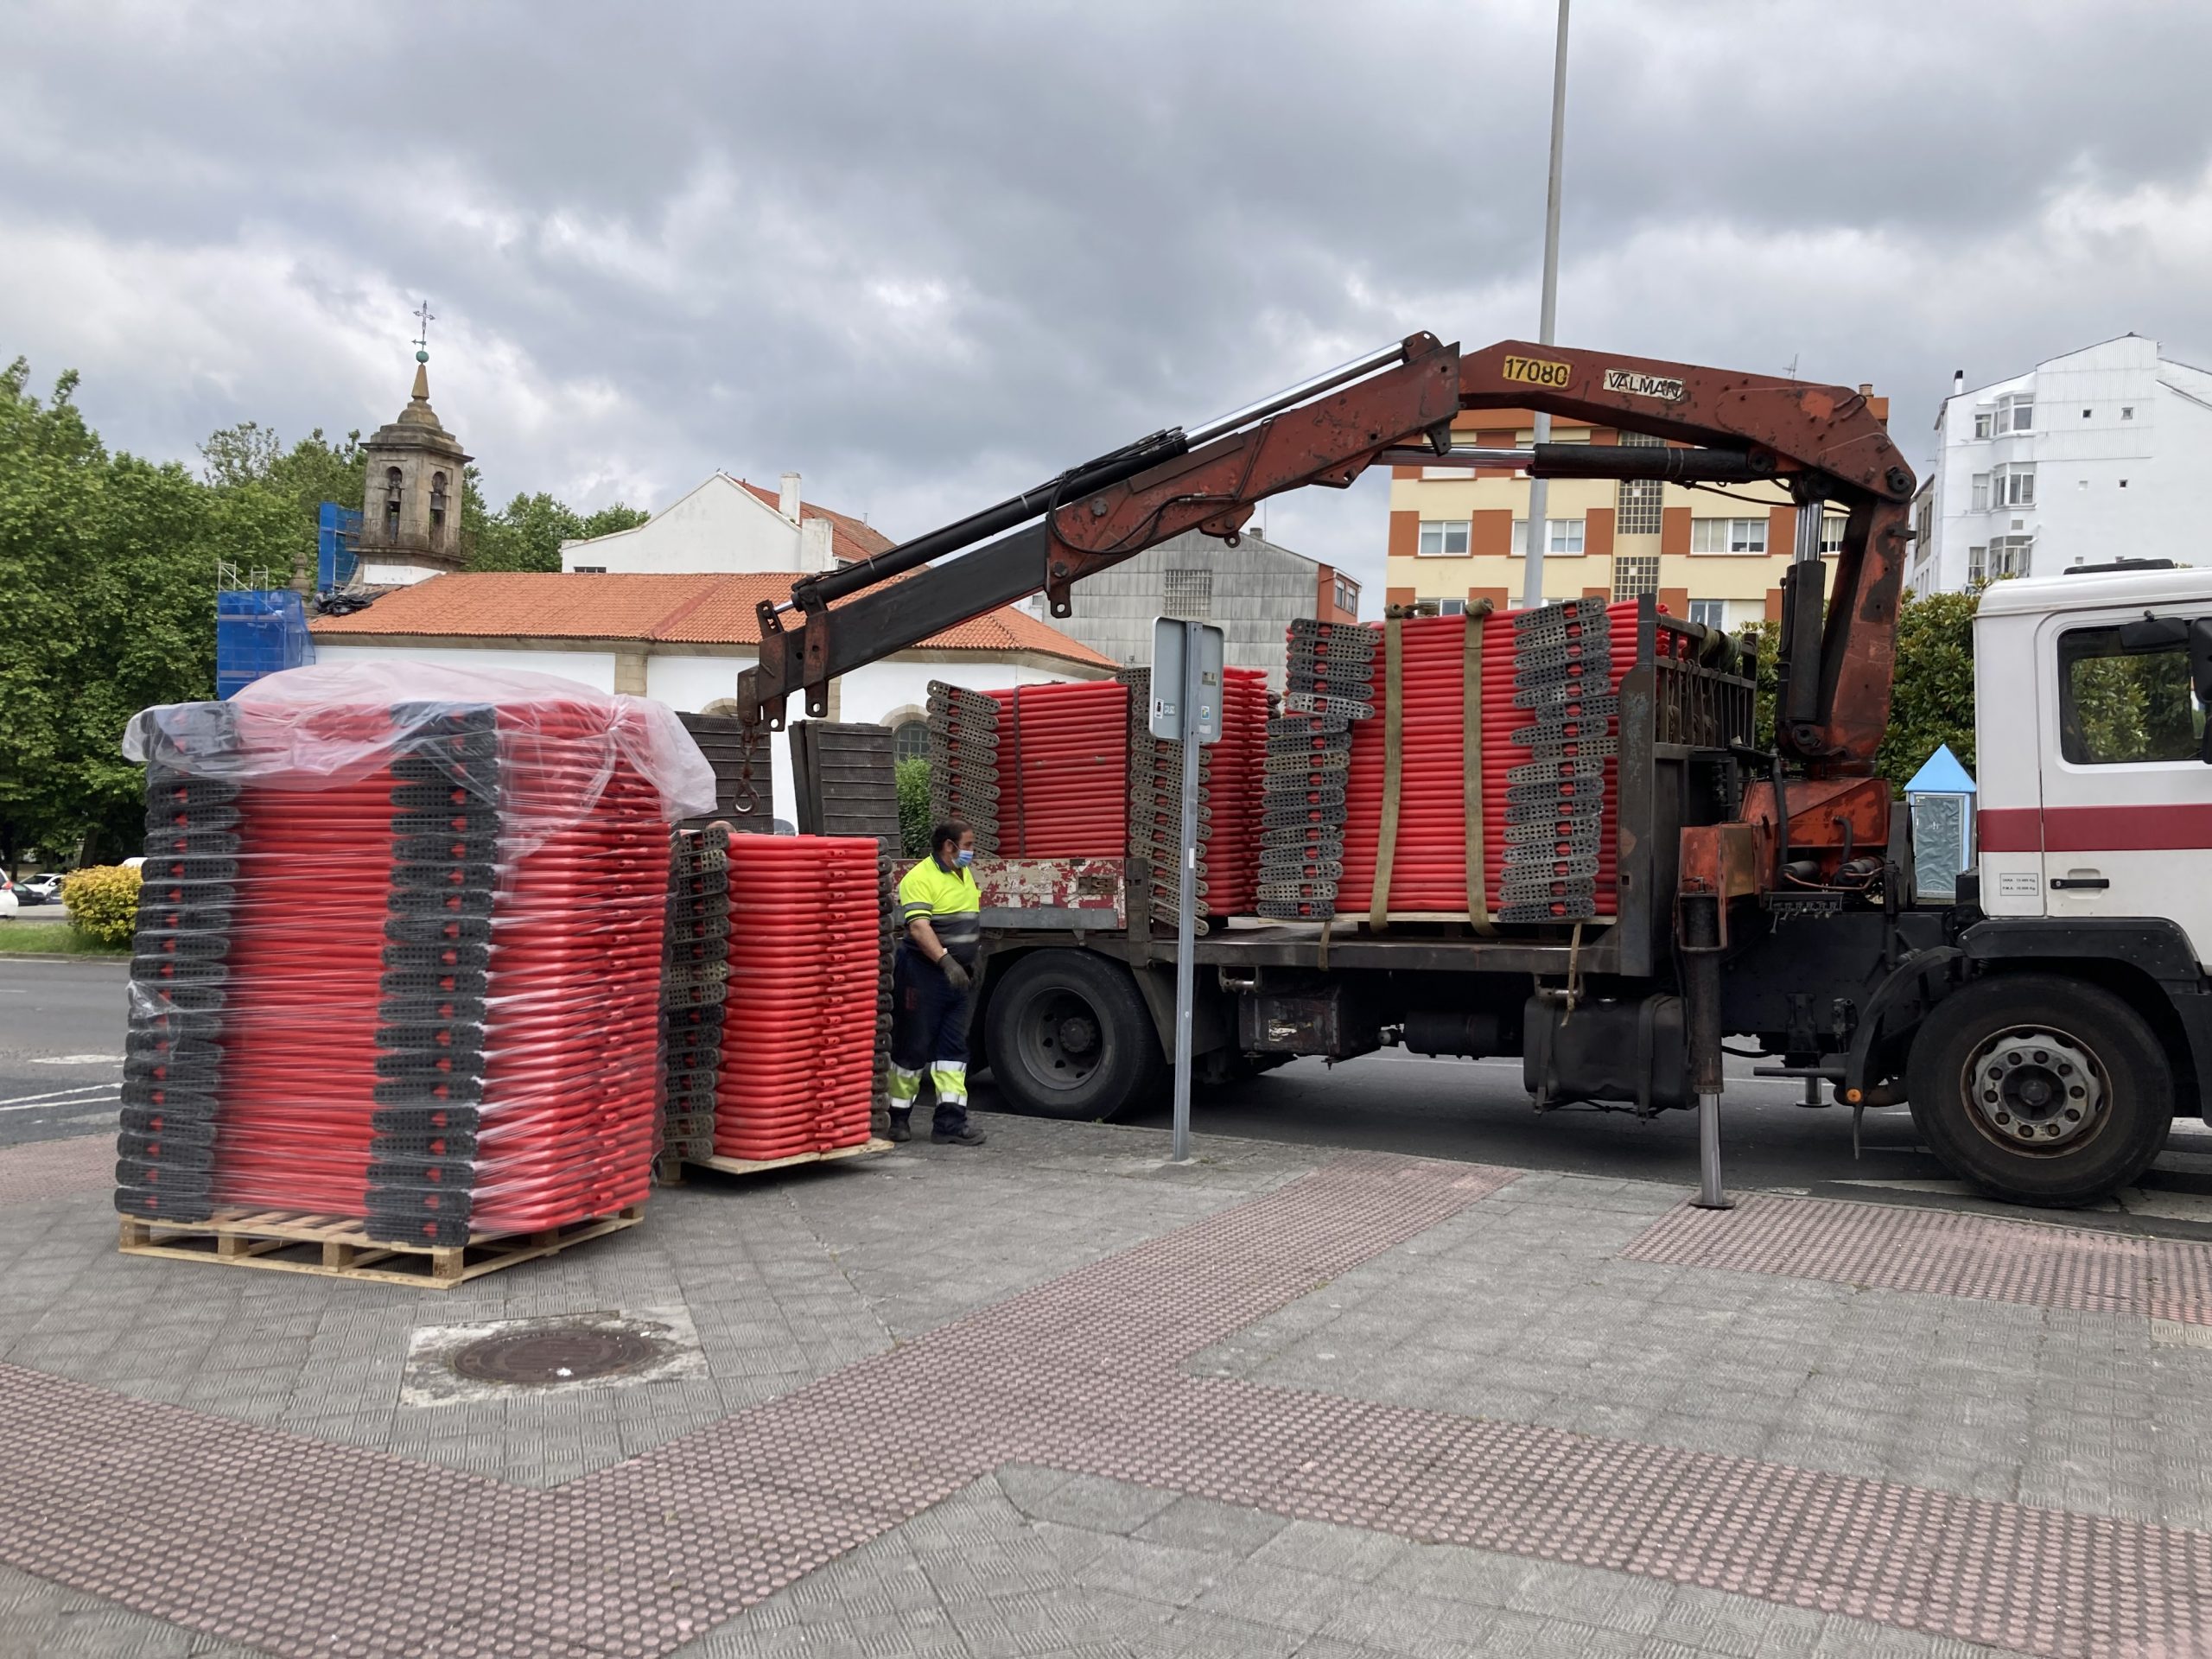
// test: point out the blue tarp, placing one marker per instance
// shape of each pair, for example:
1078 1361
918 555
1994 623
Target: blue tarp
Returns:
259 630
336 537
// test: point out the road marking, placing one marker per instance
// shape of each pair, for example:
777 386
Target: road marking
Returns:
80 1060
65 1105
58 1094
61 1105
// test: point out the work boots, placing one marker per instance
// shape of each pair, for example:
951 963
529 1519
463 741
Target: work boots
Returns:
902 1124
961 1137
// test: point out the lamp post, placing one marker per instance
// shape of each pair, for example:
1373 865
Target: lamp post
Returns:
1532 592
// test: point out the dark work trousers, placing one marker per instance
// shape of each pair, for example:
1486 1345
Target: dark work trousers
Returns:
928 1033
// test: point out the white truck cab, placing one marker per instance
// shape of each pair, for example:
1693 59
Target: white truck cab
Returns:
2095 799
2067 1020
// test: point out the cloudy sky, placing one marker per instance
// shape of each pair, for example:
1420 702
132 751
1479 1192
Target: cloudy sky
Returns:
928 254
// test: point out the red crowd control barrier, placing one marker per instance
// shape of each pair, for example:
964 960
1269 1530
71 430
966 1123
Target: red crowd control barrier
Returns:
800 1024
399 950
1063 770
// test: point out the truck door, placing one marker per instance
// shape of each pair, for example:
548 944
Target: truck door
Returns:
2126 801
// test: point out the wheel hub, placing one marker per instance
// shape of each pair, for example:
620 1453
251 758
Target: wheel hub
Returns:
2034 1089
1078 1035
1062 1040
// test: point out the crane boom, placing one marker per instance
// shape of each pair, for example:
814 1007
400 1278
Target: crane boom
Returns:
1823 442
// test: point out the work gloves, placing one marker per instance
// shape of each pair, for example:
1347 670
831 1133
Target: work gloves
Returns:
954 971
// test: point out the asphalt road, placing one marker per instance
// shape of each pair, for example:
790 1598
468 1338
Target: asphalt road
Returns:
62 1024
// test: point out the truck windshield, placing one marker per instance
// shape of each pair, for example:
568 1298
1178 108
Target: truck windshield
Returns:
2118 707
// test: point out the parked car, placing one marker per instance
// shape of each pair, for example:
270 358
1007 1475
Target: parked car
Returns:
7 899
39 889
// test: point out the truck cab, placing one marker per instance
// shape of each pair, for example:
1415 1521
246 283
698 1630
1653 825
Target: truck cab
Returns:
2096 802
2074 1023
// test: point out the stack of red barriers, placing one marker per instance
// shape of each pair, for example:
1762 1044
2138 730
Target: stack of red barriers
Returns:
800 1024
399 950
1063 770
1550 685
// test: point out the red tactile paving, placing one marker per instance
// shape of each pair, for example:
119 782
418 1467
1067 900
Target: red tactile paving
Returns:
303 1547
53 1169
1942 1253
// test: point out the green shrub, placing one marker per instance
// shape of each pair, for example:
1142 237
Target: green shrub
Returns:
102 904
914 777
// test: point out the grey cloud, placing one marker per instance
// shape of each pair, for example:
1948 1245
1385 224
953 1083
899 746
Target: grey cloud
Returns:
929 253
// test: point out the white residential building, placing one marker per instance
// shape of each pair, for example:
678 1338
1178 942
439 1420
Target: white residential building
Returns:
2094 455
726 526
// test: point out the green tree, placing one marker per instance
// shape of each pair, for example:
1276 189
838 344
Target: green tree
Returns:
526 534
913 778
108 564
1931 702
249 460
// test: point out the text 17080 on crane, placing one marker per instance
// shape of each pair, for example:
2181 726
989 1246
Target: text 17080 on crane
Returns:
2045 1025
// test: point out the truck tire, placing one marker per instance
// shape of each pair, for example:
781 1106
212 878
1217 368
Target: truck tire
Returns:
1069 1036
2039 1089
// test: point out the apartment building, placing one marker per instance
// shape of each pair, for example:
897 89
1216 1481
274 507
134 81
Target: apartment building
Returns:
1713 556
2089 456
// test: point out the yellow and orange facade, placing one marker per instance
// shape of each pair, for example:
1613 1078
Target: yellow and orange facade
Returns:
1457 536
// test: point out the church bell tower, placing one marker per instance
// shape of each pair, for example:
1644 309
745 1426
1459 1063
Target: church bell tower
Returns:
410 510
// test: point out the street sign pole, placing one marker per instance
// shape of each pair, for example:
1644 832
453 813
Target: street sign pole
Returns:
1186 698
1187 903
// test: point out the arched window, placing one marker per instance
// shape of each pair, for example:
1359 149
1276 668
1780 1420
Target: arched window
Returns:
392 503
910 739
437 499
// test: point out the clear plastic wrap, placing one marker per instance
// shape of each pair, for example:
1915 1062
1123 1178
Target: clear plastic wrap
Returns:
400 952
336 723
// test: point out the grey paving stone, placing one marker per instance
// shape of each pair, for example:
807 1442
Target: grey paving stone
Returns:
1200 1523
1096 1505
1334 1552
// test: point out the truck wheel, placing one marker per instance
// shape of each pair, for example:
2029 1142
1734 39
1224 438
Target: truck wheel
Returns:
2039 1089
1069 1036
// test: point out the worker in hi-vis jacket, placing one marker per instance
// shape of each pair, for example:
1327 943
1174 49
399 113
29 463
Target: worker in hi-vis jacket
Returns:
932 985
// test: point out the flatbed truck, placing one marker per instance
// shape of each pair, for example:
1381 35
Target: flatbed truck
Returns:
2044 1020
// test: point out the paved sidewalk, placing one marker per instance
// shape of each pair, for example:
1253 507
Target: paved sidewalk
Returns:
1058 1397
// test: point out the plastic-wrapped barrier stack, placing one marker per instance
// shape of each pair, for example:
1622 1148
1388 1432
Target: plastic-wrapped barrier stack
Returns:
399 952
694 976
800 1028
1309 745
964 735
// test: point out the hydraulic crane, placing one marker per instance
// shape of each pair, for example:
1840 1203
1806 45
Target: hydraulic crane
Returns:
1396 404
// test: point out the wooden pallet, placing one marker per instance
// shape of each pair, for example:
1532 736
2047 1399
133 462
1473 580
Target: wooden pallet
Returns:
337 1248
669 1171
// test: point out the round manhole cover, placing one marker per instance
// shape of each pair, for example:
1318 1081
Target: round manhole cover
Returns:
556 1354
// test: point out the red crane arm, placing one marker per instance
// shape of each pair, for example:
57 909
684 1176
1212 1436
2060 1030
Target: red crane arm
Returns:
1823 441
